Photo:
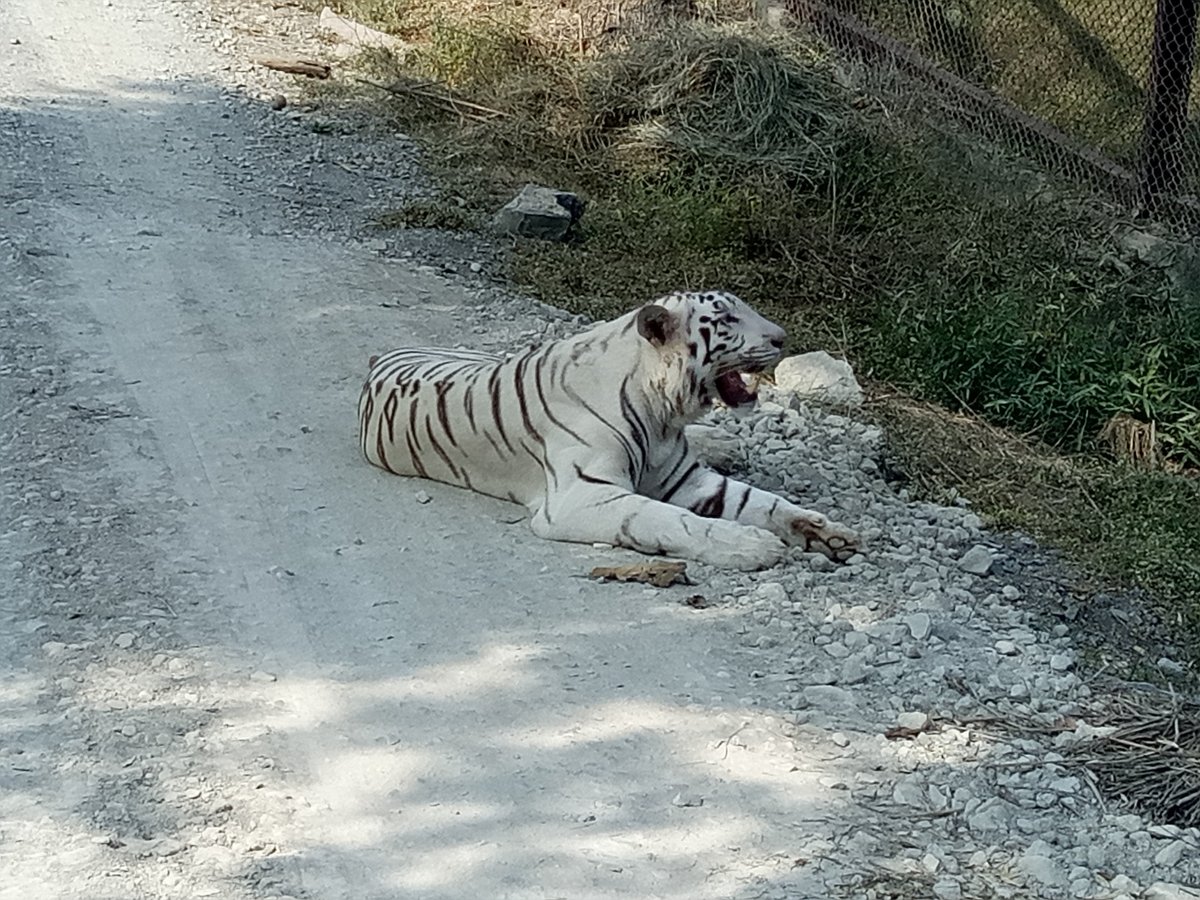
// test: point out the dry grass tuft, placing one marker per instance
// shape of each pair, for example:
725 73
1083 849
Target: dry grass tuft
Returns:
1152 760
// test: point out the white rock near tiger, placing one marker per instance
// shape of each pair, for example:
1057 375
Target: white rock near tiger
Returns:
819 376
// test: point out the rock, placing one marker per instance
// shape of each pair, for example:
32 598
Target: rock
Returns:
124 640
913 721
1040 867
909 793
355 33
539 212
818 376
976 561
854 671
1007 648
947 889
422 497
1061 662
687 798
991 815
262 677
1170 855
278 102
839 739
828 696
1169 667
1148 248
1163 890
919 625
1124 884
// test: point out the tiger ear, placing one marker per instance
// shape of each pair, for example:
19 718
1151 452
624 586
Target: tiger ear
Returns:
655 324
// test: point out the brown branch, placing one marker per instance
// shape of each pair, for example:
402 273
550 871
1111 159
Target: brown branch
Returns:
306 67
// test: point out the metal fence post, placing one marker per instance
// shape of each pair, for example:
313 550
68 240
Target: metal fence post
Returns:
1169 87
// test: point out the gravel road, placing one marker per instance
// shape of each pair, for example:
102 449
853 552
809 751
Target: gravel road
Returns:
237 662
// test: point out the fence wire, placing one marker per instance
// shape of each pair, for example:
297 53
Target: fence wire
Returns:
1102 88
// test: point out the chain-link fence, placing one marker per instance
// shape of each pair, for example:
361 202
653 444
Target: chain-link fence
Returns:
1102 88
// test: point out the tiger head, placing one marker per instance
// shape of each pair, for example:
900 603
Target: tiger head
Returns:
708 342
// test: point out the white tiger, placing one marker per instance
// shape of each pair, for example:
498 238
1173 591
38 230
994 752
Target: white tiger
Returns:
588 432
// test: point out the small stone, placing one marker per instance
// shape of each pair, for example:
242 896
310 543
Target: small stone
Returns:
991 815
976 561
129 730
422 497
854 671
1170 667
919 625
947 889
1041 868
839 739
1010 592
124 640
909 793
262 677
54 648
1163 890
1170 855
1061 662
475 267
913 721
168 847
1007 648
930 863
1124 884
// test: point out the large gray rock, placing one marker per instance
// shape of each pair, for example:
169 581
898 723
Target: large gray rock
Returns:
539 212
818 376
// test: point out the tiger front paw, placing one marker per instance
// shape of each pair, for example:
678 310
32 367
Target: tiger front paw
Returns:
743 547
816 534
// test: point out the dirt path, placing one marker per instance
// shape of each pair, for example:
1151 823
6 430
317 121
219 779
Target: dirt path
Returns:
237 661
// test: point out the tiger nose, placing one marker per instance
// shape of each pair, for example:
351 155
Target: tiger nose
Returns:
776 338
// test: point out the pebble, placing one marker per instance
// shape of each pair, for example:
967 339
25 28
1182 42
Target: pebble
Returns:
919 625
124 640
977 561
913 721
422 497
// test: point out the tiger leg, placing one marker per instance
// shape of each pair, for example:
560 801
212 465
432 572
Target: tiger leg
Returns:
589 512
708 493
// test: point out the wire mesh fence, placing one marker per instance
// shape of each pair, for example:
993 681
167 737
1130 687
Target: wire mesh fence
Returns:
1101 88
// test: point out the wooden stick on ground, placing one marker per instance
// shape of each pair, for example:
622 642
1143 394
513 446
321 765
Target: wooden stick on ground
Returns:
307 67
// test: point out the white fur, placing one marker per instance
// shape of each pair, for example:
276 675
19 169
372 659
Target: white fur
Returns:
592 441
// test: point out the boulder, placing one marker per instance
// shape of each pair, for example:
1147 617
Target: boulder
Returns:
818 376
539 212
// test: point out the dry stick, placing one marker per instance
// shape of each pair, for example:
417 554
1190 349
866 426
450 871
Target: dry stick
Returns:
306 67
442 98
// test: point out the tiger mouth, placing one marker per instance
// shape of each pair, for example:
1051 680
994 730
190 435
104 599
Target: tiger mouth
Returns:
734 391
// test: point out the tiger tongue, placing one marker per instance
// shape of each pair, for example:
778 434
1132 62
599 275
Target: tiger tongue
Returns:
733 390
